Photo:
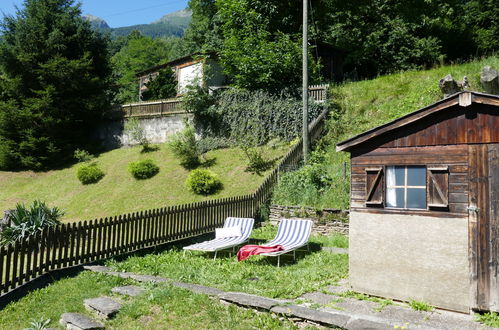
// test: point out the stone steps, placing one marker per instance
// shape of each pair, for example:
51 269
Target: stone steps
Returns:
103 307
76 321
129 290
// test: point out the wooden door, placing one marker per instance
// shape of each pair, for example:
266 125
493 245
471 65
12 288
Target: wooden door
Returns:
483 226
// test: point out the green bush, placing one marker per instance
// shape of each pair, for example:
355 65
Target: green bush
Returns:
89 173
137 133
256 161
185 147
26 221
82 156
143 169
314 185
203 182
257 117
244 116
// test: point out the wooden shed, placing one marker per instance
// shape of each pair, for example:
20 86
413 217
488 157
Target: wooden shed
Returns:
424 221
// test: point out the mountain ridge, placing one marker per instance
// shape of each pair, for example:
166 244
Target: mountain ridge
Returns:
172 24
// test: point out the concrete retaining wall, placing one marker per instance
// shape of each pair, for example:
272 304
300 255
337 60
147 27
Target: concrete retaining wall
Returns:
411 257
157 129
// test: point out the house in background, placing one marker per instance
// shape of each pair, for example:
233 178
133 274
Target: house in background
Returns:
424 220
331 59
201 69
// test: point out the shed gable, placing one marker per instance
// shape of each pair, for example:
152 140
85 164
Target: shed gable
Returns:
464 118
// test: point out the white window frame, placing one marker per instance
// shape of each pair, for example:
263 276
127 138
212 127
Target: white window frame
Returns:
405 187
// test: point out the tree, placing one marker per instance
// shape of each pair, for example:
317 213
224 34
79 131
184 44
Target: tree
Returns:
262 43
483 18
203 33
259 40
384 36
163 86
54 83
139 53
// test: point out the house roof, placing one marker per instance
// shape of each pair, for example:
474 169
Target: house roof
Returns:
175 62
463 99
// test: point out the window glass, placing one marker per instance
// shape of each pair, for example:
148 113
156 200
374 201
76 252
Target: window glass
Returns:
395 197
399 175
416 198
406 187
416 176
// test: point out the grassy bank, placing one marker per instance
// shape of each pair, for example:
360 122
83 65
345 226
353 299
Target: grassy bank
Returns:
357 107
118 192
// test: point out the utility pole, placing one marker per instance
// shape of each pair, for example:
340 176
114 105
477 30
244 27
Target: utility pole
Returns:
306 142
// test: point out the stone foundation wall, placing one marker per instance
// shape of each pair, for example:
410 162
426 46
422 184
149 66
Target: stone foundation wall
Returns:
157 129
326 221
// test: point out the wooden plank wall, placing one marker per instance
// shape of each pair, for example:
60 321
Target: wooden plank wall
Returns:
455 157
493 159
457 125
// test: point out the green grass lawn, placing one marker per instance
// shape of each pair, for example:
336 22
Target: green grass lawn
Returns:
257 275
167 307
118 192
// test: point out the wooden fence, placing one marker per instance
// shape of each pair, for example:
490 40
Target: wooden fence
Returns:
318 92
68 245
170 106
153 108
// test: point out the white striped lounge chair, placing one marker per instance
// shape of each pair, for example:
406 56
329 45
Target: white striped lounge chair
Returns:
291 234
215 245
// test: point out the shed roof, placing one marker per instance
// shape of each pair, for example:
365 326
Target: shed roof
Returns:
462 99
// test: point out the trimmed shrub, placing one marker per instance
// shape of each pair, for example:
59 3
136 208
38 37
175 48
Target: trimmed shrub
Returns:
26 221
143 169
89 173
185 147
203 182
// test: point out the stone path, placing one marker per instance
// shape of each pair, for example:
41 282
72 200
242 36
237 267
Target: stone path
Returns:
329 307
79 321
104 307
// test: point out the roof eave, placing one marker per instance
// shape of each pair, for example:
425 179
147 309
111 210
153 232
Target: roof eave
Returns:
461 98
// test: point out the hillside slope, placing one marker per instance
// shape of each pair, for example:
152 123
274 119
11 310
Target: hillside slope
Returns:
363 105
355 108
118 192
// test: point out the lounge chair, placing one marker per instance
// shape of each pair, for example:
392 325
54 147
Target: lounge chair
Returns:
291 234
246 225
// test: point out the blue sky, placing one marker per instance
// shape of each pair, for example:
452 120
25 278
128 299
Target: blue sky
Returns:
117 12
